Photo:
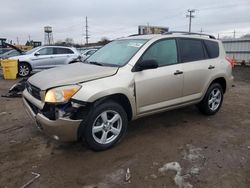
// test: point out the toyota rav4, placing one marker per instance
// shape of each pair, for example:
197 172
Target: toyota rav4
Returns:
127 79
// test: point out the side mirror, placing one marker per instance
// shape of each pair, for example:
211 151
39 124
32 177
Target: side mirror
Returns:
146 64
37 54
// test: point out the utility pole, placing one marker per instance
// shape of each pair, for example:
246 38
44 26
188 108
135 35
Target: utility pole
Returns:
234 33
218 36
201 31
86 31
190 16
29 38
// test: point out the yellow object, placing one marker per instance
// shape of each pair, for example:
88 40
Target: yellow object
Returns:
9 69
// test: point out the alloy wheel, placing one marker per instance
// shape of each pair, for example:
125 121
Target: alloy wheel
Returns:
214 99
24 70
107 127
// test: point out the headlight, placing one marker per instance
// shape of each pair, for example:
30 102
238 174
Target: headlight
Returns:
61 94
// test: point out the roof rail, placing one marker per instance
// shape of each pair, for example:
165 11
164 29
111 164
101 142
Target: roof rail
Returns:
188 33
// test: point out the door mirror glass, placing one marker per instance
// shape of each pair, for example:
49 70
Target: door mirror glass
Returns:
146 64
37 54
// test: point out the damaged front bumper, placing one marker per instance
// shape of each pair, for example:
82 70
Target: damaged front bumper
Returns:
59 128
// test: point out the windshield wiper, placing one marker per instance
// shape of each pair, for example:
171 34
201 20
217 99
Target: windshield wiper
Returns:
95 63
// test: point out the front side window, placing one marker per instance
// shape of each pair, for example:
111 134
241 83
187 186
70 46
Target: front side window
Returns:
191 50
163 52
118 52
46 51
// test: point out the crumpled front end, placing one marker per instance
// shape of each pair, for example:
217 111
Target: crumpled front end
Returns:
59 121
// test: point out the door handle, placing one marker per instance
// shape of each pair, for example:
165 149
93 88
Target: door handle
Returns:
211 67
178 72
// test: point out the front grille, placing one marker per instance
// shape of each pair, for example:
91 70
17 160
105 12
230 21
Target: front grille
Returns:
33 90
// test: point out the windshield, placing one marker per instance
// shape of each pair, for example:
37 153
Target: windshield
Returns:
117 53
31 51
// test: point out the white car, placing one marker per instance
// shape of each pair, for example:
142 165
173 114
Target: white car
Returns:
45 57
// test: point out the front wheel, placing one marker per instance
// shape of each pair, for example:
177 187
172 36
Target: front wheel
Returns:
105 126
24 69
212 100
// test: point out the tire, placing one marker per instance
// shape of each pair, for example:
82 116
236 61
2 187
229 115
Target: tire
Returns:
24 69
212 100
100 132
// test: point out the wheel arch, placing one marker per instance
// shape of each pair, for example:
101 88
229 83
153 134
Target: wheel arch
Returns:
120 99
222 81
19 62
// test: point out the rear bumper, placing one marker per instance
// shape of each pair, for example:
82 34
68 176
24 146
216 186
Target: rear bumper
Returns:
61 129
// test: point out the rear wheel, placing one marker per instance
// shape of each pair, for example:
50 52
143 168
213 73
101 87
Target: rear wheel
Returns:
24 69
212 101
105 126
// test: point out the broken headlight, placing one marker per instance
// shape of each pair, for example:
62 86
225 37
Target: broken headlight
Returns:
61 94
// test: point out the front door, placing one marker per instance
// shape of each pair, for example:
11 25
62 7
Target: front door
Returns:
44 59
161 87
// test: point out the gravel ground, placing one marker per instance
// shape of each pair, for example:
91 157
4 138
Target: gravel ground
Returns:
211 151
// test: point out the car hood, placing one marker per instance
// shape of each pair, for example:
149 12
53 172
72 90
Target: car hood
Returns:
70 74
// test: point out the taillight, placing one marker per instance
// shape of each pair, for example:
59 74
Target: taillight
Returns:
231 61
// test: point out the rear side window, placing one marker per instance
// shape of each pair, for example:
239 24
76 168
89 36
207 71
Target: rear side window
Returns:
191 50
212 48
62 51
164 52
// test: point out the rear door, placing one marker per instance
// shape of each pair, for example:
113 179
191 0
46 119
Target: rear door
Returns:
198 68
161 87
62 55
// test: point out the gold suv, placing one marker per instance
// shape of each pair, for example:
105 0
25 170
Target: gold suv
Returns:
127 79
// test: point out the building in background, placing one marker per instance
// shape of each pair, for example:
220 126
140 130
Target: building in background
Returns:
145 30
238 49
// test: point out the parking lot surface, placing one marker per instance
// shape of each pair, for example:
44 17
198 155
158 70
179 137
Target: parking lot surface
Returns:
212 151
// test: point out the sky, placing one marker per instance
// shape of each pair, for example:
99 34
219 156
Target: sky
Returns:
115 18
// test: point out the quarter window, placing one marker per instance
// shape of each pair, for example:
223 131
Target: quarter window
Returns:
163 52
191 50
212 48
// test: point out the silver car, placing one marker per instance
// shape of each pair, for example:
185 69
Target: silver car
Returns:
88 52
45 57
